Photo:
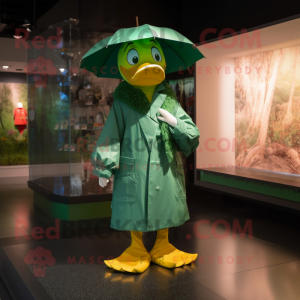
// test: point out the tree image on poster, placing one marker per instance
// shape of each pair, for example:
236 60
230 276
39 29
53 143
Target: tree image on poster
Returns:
267 110
13 145
6 106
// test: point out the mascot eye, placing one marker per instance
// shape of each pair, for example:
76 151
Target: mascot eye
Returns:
156 54
133 57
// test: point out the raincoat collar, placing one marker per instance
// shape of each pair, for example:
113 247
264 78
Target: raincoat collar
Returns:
136 99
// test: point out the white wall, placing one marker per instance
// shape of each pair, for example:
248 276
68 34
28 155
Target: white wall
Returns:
11 56
215 110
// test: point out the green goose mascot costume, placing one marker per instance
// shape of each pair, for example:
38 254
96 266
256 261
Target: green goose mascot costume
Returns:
141 140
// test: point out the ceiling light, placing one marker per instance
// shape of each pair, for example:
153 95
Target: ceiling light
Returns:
61 70
27 26
5 67
71 21
17 37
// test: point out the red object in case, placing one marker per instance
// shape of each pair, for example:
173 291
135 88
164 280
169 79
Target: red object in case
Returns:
20 115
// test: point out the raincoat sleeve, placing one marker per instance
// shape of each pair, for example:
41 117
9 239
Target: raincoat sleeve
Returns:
185 133
106 154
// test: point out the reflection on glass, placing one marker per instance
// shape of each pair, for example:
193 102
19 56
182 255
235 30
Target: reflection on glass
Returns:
68 108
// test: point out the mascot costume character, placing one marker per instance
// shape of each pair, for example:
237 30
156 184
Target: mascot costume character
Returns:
140 143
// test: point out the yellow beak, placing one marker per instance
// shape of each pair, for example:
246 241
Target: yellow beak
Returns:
148 74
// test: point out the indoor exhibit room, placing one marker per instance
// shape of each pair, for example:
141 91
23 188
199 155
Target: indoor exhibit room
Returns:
149 152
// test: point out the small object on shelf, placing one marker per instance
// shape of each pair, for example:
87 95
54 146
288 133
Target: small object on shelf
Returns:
65 125
77 123
110 99
89 99
66 147
89 95
73 147
76 185
97 95
91 122
72 120
60 148
84 123
82 95
56 126
99 122
98 126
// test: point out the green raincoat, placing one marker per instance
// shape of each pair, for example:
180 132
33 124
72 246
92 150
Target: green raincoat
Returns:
149 193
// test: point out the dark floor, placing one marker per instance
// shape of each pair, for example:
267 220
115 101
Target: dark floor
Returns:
263 267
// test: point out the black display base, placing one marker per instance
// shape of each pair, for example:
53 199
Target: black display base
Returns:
70 208
44 187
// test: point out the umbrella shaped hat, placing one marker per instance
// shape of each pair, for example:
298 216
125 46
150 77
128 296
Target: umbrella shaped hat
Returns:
102 59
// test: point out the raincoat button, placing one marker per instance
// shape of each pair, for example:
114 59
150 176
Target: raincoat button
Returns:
157 188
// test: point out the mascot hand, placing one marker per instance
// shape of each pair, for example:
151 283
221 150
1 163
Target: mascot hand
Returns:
167 117
103 181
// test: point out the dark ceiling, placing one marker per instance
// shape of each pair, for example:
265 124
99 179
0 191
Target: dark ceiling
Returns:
190 18
15 13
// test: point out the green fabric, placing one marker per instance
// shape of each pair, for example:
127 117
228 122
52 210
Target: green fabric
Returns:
148 192
136 99
180 53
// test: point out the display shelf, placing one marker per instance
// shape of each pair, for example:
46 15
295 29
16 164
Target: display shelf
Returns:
84 105
87 129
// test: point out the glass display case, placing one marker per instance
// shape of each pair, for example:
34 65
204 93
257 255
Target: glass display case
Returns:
67 110
247 111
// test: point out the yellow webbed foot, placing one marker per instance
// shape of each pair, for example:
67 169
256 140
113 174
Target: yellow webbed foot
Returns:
170 257
166 255
130 260
135 259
